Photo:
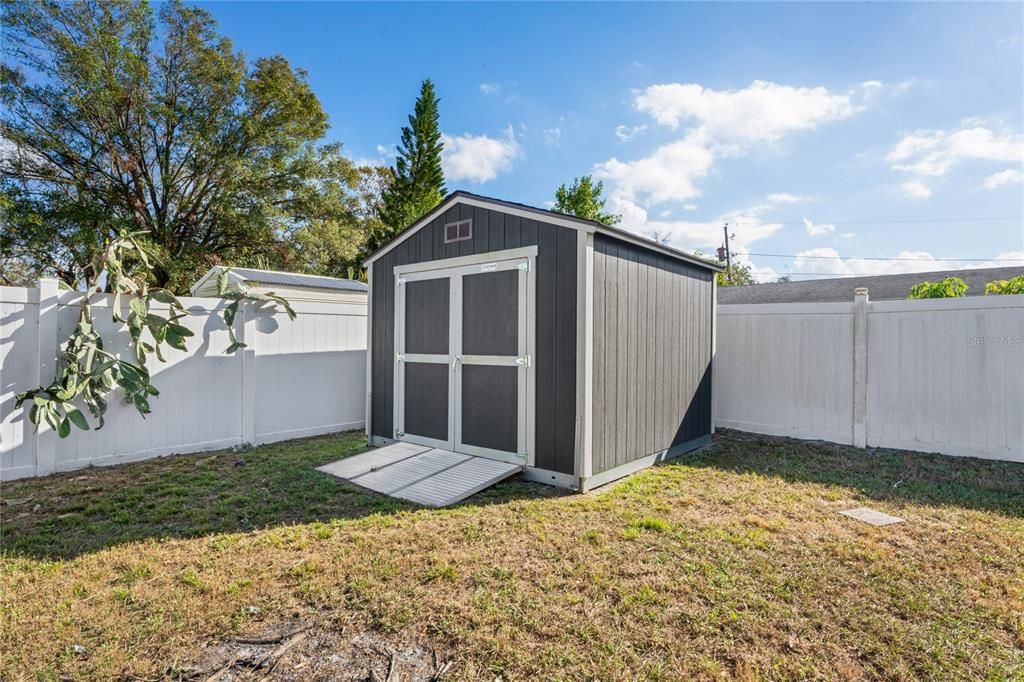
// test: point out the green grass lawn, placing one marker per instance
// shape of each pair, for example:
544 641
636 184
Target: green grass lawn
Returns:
732 562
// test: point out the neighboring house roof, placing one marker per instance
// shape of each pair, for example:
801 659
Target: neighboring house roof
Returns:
880 287
291 279
553 217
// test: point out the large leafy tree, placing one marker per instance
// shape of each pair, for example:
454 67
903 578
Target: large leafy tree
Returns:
334 247
417 183
118 119
583 200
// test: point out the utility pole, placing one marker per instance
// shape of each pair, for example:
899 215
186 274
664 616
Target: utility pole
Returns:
728 257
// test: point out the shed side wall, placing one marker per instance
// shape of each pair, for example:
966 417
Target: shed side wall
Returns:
652 352
555 353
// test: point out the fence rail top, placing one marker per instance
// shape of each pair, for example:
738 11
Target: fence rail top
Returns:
836 308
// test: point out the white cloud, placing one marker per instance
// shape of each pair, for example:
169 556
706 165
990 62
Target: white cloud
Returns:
916 190
1006 258
1010 176
905 85
934 152
783 198
689 207
626 133
478 158
724 123
668 174
761 112
490 88
825 260
552 136
818 229
704 235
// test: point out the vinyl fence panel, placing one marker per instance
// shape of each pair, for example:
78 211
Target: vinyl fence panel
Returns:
943 375
295 378
786 370
948 376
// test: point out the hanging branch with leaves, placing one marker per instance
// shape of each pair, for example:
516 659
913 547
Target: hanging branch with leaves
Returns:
87 372
236 298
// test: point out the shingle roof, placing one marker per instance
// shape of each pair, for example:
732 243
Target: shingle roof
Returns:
880 287
294 279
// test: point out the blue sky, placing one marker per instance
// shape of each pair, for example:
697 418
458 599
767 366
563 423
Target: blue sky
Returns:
883 130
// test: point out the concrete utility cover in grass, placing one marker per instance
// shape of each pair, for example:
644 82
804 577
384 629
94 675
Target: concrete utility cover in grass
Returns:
427 476
872 516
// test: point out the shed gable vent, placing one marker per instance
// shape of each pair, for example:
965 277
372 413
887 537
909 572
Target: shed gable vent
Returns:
458 231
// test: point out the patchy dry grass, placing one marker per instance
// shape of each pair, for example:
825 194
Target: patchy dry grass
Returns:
730 563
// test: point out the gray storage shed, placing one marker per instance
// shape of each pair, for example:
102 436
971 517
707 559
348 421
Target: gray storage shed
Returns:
578 351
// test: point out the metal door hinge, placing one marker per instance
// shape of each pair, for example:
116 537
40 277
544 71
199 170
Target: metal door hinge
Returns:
523 360
399 357
400 279
399 434
524 266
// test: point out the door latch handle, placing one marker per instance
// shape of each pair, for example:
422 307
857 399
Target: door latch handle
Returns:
456 362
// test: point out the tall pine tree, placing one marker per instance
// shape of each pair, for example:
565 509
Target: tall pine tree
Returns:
417 179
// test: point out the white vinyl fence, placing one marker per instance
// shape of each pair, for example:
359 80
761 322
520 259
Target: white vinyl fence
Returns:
296 378
943 375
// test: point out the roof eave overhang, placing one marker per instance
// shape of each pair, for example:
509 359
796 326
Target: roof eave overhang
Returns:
214 271
543 216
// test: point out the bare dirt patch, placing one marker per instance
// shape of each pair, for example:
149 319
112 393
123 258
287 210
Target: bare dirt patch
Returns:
296 650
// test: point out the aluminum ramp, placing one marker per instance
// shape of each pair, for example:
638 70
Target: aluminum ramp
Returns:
420 474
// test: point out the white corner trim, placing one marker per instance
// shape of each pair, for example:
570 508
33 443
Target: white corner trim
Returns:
584 354
714 348
369 352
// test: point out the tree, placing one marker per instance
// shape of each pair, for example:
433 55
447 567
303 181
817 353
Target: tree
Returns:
583 200
118 120
783 279
950 287
417 179
334 247
1014 285
737 274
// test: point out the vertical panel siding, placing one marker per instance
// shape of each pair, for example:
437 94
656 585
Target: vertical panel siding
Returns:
555 352
652 352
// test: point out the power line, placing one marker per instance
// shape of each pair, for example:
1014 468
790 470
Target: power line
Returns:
884 222
885 258
836 274
840 274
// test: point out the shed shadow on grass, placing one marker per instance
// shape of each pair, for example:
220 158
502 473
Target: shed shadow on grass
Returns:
883 475
185 496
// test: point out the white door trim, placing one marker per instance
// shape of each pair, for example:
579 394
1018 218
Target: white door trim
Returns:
475 259
398 422
525 260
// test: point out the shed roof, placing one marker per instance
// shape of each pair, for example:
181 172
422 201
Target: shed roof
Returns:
880 287
554 217
291 279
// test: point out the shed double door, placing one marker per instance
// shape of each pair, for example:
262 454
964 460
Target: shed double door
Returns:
462 337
